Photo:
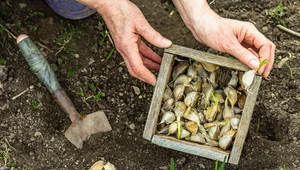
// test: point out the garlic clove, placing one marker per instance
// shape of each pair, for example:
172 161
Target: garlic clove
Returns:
200 69
210 67
191 126
225 142
179 69
184 133
179 92
172 128
234 79
227 111
231 94
214 132
198 137
207 89
211 112
225 128
168 117
192 117
180 108
182 79
248 78
192 72
191 99
167 94
235 121
241 101
168 105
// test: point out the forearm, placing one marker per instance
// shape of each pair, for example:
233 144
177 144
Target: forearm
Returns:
191 10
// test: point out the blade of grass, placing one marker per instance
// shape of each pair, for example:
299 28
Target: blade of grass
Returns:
217 164
263 62
110 54
172 165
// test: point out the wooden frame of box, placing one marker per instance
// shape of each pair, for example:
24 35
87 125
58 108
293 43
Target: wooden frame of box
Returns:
214 153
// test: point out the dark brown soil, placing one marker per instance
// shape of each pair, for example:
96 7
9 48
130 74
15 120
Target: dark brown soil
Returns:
33 124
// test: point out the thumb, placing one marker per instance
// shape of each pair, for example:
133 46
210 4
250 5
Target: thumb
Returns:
246 56
152 36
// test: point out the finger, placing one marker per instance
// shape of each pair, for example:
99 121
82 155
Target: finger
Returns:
271 61
150 64
148 52
152 36
244 55
136 67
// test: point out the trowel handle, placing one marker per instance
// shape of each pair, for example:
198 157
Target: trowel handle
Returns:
38 64
41 68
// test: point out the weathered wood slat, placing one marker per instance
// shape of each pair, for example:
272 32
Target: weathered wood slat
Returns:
190 147
207 57
245 122
163 77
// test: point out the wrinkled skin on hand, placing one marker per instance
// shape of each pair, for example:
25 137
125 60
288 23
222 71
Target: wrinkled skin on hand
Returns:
127 25
227 35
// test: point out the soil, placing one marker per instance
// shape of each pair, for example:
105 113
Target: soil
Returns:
33 124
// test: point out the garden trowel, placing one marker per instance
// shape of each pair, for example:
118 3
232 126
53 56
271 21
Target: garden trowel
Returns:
82 126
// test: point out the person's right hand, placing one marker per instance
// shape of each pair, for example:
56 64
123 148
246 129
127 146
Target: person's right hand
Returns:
127 25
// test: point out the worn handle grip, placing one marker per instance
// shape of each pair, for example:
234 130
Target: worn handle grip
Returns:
38 64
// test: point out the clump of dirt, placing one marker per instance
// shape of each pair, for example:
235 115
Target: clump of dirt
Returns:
95 77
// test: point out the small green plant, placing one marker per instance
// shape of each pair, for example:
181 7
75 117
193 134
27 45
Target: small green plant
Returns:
102 40
2 61
91 86
34 105
81 94
263 62
284 167
277 13
172 164
222 166
14 164
2 28
70 74
99 96
34 14
110 54
258 125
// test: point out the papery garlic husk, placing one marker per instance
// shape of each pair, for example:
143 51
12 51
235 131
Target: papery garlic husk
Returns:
231 94
201 117
210 67
214 123
227 111
248 78
172 128
200 69
240 77
211 112
219 97
192 72
182 79
184 133
191 126
99 165
168 117
202 130
235 121
225 128
214 78
179 69
195 86
237 110
167 94
180 108
168 105
234 79
219 116
192 116
198 137
211 142
164 130
179 92
190 100
225 141
207 89
214 132
241 101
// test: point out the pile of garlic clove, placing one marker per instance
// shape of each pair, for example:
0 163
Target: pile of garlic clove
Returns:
203 103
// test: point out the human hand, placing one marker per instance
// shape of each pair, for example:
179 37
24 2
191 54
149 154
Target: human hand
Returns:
127 25
227 35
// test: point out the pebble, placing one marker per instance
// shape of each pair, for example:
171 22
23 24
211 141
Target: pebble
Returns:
181 161
76 55
120 69
265 29
137 91
132 126
36 134
91 61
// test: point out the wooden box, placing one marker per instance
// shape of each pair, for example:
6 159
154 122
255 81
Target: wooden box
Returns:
213 153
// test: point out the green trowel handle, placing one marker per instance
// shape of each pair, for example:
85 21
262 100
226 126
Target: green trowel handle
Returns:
38 64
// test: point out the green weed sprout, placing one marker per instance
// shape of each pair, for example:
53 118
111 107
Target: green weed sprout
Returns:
278 12
172 165
110 54
222 166
263 62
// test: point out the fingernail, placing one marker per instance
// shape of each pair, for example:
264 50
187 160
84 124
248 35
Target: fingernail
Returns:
254 64
166 42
